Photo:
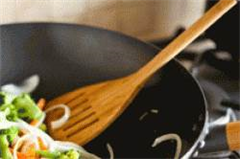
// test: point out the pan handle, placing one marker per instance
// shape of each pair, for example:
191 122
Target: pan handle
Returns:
222 138
233 135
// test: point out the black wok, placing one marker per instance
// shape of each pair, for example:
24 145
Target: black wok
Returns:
70 56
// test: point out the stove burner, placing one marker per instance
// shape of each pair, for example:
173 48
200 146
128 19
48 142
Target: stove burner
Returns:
222 61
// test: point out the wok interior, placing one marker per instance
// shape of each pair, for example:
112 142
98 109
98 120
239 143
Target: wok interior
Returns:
67 57
178 112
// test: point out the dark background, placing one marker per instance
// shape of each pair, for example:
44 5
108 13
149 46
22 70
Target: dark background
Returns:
225 31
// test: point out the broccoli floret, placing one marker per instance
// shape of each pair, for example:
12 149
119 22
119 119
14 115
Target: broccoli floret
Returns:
26 107
1 99
22 107
6 98
11 133
13 114
4 149
6 136
71 154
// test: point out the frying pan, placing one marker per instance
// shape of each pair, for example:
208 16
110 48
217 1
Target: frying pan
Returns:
67 56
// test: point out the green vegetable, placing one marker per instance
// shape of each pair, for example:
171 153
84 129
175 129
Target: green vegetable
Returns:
22 106
12 114
11 133
2 101
71 154
48 154
43 127
4 150
26 107
6 98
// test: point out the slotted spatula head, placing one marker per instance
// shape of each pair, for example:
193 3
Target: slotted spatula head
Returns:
93 108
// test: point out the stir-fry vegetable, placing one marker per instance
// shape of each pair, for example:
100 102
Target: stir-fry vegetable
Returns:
71 154
6 98
11 133
23 133
50 155
22 107
26 107
4 148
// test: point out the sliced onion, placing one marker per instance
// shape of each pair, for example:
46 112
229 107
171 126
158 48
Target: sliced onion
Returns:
32 133
61 121
28 86
110 150
18 144
15 140
56 145
28 144
155 111
167 137
39 133
143 116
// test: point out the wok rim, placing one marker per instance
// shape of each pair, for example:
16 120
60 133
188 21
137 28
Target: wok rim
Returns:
204 129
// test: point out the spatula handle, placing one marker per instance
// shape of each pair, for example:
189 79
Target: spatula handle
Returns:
183 40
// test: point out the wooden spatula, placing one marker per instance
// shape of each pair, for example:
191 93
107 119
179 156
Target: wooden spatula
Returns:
95 107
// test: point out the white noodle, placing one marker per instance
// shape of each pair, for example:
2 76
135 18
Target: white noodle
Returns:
61 121
27 86
27 144
19 143
110 150
32 133
15 140
36 131
143 116
154 111
167 137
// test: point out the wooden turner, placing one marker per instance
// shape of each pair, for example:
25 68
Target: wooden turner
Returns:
95 107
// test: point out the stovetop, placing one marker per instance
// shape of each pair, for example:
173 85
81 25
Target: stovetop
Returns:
218 74
222 95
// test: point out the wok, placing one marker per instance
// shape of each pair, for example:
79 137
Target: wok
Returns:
67 56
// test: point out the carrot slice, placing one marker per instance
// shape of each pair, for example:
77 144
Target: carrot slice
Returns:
31 152
41 103
24 155
34 122
41 144
21 156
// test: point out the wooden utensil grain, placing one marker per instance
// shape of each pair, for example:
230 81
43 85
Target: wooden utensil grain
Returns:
95 107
